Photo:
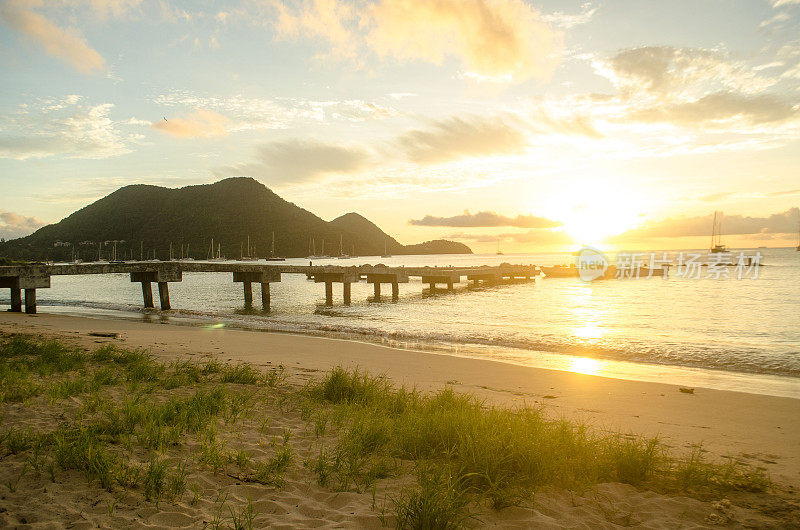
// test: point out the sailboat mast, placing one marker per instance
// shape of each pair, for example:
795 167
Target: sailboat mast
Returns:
714 230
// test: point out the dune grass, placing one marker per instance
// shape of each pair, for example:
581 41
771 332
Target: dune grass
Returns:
466 453
126 416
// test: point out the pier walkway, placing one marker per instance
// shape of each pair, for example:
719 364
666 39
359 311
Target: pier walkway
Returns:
29 278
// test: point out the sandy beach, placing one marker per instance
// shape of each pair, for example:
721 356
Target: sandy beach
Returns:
761 431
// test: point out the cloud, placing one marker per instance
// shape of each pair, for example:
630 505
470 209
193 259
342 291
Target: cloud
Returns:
292 161
504 39
455 138
62 127
779 223
537 237
721 107
257 113
485 219
779 3
199 124
67 45
14 225
667 70
500 38
568 21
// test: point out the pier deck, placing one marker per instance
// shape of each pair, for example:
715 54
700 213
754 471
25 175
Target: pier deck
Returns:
28 278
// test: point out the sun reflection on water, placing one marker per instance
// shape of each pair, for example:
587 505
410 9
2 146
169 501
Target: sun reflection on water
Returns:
584 365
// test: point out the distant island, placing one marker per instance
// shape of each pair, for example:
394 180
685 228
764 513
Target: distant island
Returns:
144 220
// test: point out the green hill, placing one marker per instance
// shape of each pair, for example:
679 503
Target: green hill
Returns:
151 217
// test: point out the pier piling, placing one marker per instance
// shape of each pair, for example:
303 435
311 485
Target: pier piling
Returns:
160 275
381 275
329 293
248 294
30 301
16 299
147 295
163 295
265 297
256 274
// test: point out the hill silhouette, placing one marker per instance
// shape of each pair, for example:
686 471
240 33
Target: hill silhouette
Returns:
146 219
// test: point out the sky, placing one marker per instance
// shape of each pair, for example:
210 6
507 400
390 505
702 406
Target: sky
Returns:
536 125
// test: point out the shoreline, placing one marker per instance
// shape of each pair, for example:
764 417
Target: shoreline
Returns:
690 376
759 430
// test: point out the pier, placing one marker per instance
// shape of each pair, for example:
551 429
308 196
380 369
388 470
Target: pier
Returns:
29 278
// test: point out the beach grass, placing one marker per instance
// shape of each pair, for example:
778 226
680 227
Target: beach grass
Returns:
129 422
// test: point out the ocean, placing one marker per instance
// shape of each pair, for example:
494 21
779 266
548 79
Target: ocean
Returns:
728 333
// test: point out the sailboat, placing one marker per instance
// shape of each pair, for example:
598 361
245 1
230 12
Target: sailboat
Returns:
272 256
499 253
218 257
716 235
385 251
341 255
312 247
797 248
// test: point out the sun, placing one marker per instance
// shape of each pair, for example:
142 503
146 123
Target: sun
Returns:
592 213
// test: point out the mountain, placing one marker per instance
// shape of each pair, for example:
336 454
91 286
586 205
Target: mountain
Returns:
148 218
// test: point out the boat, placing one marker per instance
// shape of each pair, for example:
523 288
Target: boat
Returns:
499 253
716 235
272 256
385 251
797 248
312 247
218 257
341 255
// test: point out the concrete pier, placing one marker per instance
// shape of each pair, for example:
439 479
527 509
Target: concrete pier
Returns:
160 275
449 278
37 276
343 275
394 278
250 276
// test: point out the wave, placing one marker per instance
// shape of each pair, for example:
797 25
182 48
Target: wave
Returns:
519 350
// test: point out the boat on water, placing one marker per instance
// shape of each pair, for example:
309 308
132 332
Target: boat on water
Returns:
218 257
272 256
716 234
385 251
341 252
797 248
499 252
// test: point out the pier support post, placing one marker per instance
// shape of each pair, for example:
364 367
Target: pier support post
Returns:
160 274
163 295
330 275
257 274
379 275
147 295
30 301
432 287
16 299
265 297
248 295
449 286
346 293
